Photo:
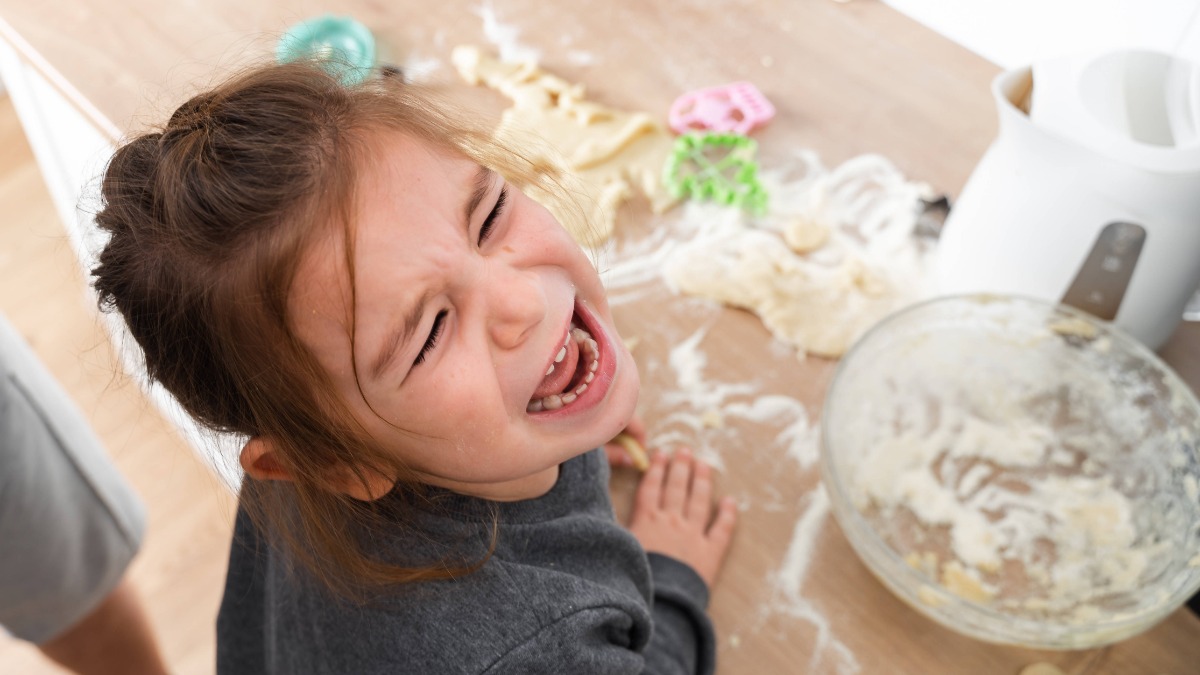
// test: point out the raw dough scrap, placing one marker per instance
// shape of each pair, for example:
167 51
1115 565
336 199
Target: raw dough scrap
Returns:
834 254
819 310
713 419
610 151
805 235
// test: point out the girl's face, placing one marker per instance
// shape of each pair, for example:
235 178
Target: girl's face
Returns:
467 293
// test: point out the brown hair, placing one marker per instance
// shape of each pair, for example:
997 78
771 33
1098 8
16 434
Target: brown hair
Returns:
208 220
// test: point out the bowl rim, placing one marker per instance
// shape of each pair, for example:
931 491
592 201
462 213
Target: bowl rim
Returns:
881 559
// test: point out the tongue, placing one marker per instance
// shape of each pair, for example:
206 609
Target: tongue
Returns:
563 372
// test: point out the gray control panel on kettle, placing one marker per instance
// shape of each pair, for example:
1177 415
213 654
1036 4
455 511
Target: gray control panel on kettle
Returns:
1102 280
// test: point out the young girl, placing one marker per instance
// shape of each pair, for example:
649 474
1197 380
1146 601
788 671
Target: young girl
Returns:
424 361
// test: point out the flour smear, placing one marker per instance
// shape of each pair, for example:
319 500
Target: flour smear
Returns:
869 210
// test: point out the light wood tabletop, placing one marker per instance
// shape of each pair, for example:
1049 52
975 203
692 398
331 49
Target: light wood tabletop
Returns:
846 78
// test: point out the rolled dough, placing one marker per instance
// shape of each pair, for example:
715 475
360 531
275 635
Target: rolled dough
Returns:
611 152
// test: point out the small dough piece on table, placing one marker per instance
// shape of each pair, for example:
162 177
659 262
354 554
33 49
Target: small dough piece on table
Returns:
611 152
637 453
805 235
712 419
1041 668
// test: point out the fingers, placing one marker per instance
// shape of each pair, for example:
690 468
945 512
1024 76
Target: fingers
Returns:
683 485
649 493
699 502
679 478
721 531
674 514
634 449
617 457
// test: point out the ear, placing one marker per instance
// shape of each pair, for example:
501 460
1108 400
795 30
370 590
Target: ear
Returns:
260 461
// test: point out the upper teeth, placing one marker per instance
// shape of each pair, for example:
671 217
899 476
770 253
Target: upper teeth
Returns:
562 353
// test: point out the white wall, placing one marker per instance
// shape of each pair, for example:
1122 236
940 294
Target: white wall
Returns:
1017 32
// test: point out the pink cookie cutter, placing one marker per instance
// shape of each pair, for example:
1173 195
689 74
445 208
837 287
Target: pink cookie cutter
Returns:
737 108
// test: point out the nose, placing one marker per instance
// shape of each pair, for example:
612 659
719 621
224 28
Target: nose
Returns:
516 305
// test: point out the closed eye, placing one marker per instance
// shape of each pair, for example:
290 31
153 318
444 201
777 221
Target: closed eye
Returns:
486 229
431 342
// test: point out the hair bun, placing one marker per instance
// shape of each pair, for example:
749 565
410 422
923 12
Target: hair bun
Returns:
193 113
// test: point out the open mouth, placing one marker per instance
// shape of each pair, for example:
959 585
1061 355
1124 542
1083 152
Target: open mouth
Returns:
572 371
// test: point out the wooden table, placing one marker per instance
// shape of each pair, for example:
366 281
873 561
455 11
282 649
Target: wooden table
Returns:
846 79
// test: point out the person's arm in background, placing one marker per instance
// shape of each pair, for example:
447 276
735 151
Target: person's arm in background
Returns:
113 639
69 526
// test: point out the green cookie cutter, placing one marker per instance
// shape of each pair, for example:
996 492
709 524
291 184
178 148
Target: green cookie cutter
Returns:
344 47
716 166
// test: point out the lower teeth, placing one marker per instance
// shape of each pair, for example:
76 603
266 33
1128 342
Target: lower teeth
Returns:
587 346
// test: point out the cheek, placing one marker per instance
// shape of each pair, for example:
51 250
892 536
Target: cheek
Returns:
443 405
632 376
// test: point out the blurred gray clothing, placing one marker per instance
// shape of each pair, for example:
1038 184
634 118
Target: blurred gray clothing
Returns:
567 592
69 523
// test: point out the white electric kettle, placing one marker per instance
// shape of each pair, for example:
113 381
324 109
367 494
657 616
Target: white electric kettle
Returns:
1090 194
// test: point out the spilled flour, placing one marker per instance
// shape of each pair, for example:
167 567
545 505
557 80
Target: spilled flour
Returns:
419 68
711 415
858 260
790 582
504 36
706 414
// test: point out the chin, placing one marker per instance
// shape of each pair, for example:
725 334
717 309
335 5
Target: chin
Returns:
620 409
624 403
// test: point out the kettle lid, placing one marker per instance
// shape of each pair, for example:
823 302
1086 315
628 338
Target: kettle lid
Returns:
1135 106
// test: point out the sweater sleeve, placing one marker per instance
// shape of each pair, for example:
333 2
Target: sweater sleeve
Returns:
596 640
682 640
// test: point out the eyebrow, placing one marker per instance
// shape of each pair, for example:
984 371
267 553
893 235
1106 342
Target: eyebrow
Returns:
391 346
483 181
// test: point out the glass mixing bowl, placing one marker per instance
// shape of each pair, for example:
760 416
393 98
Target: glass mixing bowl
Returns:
1017 471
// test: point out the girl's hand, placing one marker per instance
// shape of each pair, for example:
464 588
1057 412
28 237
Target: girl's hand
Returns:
618 454
673 514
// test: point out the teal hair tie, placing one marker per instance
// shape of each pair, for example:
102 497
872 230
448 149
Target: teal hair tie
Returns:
342 46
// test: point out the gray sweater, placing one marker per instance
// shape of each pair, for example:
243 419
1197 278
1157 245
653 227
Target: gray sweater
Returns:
568 590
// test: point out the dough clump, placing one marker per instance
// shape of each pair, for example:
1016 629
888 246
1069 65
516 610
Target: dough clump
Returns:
834 254
610 152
